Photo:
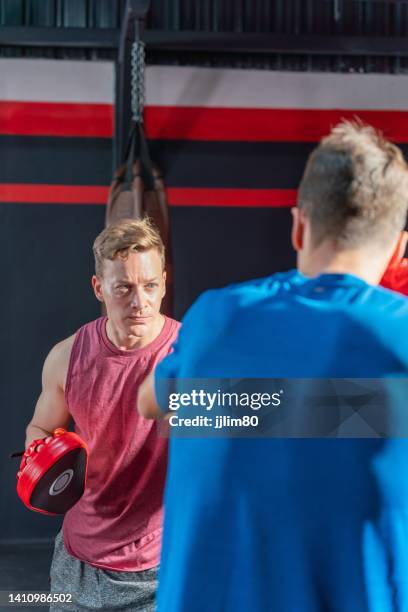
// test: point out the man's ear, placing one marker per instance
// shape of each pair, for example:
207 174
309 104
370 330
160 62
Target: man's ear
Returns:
298 228
97 287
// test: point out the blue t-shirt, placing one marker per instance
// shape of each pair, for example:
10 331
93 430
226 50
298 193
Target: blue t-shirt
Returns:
288 525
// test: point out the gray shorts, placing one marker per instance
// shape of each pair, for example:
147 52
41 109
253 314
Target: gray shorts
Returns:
97 589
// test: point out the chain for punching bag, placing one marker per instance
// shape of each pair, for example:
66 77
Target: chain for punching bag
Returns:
137 189
138 80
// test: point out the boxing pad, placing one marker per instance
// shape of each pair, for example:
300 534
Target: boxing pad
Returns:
52 473
396 278
396 275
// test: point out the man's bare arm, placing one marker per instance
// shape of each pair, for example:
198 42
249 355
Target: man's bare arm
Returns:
146 400
51 410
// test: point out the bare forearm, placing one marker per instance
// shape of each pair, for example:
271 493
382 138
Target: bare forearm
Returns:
33 432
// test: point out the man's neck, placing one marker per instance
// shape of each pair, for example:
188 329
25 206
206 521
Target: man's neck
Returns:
356 262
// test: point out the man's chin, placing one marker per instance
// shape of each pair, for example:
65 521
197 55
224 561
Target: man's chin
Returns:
138 328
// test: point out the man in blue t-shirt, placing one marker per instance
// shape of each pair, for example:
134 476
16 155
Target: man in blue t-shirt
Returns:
298 525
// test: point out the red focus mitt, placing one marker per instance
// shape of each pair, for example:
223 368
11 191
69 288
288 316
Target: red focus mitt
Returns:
52 473
396 275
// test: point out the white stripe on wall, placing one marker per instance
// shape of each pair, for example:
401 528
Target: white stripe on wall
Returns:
93 82
185 86
42 80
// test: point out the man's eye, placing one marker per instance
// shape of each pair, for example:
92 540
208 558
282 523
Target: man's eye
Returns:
151 285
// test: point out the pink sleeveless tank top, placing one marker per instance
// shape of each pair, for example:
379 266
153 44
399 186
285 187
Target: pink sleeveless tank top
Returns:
117 523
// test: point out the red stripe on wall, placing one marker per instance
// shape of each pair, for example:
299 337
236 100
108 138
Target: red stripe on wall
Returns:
231 197
52 194
56 119
177 196
290 125
193 123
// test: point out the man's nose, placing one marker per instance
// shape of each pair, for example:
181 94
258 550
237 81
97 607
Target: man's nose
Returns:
137 300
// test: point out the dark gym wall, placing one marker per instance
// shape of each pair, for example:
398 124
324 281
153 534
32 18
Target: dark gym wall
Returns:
46 243
46 266
229 187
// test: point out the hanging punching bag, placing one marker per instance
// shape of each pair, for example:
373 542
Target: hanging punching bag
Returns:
137 189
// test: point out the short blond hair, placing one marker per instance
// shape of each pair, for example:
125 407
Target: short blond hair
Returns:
124 236
355 187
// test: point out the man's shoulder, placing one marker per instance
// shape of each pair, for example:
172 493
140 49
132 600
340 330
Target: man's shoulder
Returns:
268 284
381 309
216 306
64 347
173 323
62 350
252 291
372 307
386 318
389 300
57 361
171 329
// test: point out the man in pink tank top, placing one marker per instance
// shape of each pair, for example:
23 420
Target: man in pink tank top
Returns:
109 548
